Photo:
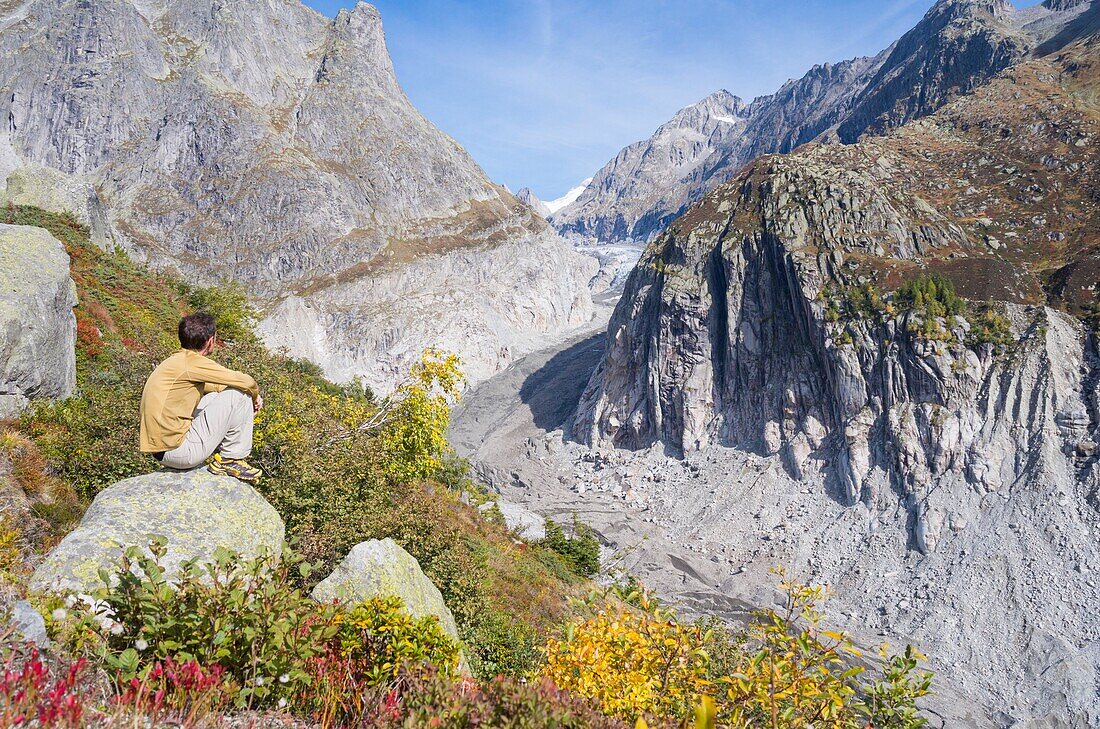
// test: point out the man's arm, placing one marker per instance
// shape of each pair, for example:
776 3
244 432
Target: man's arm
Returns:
216 378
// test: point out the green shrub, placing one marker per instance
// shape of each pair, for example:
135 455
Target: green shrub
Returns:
928 300
234 315
246 616
384 637
865 302
581 551
271 641
989 326
499 644
861 302
930 296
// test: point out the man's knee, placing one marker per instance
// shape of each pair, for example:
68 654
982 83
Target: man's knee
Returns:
237 398
232 405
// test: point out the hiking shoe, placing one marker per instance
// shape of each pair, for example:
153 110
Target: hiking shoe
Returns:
236 467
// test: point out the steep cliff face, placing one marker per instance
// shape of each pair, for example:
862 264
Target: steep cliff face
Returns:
262 142
762 319
790 315
956 47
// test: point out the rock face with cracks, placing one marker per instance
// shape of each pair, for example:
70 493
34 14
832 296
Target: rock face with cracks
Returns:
37 325
195 511
380 568
768 320
262 142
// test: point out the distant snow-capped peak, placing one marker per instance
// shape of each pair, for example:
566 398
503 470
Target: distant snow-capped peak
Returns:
568 198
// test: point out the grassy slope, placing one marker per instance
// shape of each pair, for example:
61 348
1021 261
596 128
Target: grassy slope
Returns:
331 493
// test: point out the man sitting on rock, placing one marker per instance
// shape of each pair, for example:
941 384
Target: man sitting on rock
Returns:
192 408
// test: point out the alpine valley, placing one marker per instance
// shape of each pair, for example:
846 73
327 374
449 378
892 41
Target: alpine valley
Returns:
849 329
860 342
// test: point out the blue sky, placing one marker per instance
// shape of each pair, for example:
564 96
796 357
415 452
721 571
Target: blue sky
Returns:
543 92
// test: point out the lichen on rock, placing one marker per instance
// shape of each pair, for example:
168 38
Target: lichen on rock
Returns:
196 512
378 568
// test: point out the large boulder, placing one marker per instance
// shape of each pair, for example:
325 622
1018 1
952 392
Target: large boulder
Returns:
37 325
196 512
57 192
382 568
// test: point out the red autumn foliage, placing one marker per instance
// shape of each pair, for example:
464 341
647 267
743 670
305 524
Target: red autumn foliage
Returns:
31 691
185 689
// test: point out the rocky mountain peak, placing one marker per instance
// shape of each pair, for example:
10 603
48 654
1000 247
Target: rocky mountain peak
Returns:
956 47
996 8
1060 5
259 141
721 107
528 197
722 100
957 8
358 45
362 25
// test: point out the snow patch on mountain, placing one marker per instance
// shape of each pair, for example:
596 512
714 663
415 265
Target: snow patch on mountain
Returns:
568 198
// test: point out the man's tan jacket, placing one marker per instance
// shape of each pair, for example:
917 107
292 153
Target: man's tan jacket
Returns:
174 389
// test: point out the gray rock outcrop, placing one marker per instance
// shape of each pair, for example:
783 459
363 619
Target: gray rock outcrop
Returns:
52 190
956 47
37 324
262 142
195 511
528 197
957 450
522 522
380 568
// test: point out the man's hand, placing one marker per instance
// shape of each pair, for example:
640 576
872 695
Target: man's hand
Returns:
257 403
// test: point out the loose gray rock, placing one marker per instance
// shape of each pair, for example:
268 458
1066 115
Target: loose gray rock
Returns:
381 568
521 521
37 324
196 511
29 623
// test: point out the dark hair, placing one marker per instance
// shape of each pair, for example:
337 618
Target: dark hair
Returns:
196 330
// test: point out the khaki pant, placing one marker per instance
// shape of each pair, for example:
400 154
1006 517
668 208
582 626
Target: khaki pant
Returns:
222 422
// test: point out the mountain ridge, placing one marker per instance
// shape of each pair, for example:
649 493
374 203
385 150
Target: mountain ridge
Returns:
955 47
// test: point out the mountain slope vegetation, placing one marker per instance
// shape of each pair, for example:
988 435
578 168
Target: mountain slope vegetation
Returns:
333 484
